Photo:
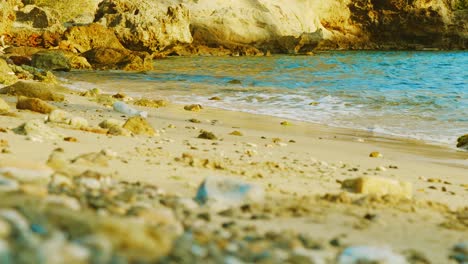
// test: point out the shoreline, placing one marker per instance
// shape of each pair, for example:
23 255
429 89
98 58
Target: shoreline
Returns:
166 94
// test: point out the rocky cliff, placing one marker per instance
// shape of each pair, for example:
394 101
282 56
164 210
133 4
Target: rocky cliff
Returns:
234 27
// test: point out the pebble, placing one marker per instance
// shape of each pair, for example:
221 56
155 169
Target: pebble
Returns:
70 139
369 254
91 93
108 123
34 104
139 126
37 130
59 116
4 107
381 168
118 131
375 154
8 185
151 103
460 252
207 135
25 171
236 133
193 107
194 120
63 201
378 186
285 123
78 122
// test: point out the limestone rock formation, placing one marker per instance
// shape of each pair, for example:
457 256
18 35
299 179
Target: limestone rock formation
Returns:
146 25
69 11
83 38
7 76
107 58
43 91
279 25
51 60
7 16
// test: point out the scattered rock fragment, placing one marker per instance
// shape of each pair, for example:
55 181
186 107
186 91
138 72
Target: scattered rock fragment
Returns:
44 91
121 96
462 142
369 254
118 131
7 76
285 123
207 135
151 103
51 60
91 92
70 139
194 120
108 123
4 107
34 104
375 154
223 192
236 133
234 81
215 98
460 252
8 185
193 107
378 186
25 171
4 143
78 122
139 126
95 158
59 116
37 130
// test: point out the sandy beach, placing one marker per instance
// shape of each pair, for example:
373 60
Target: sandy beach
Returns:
301 167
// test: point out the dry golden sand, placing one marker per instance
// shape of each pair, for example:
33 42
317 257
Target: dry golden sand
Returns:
297 164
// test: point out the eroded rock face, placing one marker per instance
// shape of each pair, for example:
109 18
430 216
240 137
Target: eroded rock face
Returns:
83 38
108 58
397 24
43 91
51 60
7 15
7 76
69 11
146 25
266 24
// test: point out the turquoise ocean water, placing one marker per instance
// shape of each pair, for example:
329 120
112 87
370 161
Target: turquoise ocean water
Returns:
420 95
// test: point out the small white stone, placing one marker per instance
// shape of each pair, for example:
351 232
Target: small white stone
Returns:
110 153
59 116
78 122
381 168
66 201
91 183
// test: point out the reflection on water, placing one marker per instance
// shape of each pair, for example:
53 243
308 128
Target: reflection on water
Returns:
412 94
